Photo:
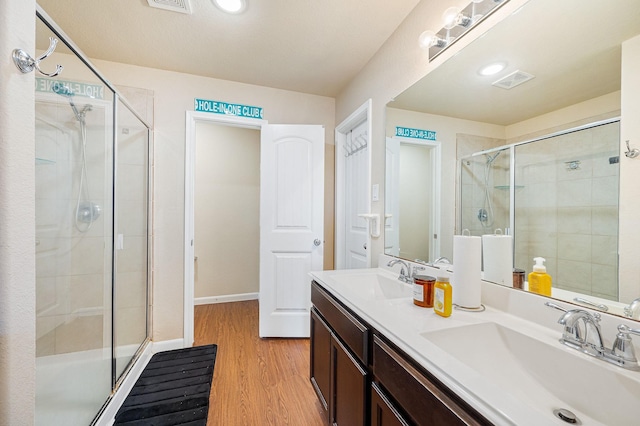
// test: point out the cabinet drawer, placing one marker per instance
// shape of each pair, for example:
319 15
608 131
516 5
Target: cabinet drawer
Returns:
351 330
424 400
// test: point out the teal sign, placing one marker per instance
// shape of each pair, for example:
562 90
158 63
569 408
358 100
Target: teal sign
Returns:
407 132
217 107
70 88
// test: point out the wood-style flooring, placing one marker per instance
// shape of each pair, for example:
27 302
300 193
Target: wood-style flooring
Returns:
255 381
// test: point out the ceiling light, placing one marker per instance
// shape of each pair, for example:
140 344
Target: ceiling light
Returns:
492 69
231 6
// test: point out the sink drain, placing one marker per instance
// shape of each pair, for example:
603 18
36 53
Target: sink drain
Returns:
566 416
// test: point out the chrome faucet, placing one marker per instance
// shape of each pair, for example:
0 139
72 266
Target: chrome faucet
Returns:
588 339
405 270
633 310
442 259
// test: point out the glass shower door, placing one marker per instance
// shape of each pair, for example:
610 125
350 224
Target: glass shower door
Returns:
130 268
73 203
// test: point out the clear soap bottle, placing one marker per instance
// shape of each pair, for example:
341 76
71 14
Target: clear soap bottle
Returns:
539 280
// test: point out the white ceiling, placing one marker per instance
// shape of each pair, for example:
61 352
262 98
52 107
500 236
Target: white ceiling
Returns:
572 47
308 46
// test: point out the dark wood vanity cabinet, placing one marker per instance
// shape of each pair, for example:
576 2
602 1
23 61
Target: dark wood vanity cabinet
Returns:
339 360
383 412
415 396
362 379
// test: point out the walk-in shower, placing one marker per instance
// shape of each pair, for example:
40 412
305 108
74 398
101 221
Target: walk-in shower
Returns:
485 191
92 250
485 213
558 196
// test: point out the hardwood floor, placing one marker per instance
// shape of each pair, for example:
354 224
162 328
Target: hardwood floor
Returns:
255 381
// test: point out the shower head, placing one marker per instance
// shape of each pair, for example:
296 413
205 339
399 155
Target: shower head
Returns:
64 90
490 158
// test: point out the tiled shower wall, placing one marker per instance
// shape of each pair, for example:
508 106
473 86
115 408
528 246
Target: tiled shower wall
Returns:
567 209
485 186
73 268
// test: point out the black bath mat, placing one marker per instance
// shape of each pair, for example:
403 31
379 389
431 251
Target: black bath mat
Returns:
172 390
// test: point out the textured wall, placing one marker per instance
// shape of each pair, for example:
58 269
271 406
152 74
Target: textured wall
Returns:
17 218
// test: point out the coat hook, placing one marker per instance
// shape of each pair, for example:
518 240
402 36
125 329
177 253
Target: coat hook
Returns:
26 63
631 153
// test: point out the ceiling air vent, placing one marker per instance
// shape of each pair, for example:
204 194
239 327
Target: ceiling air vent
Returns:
182 6
512 80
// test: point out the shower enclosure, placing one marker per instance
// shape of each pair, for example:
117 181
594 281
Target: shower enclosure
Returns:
558 196
92 168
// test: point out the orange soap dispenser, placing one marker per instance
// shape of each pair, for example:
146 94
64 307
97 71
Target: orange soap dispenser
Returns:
539 280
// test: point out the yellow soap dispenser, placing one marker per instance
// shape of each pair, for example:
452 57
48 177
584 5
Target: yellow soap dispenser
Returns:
539 280
442 298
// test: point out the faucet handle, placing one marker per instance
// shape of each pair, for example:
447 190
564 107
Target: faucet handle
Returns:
417 269
623 346
555 306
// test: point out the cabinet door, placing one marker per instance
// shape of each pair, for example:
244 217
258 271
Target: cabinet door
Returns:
349 386
383 413
320 358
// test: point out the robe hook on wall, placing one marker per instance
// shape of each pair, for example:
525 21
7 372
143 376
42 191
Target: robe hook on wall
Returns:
26 63
631 153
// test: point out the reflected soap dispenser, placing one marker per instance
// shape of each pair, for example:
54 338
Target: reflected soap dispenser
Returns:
539 280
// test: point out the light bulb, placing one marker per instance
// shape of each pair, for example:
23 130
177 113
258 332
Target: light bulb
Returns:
449 17
429 38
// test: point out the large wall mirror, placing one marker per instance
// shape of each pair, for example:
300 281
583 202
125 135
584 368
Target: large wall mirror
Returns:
533 149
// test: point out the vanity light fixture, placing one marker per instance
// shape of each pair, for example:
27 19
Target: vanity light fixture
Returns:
231 6
456 23
492 69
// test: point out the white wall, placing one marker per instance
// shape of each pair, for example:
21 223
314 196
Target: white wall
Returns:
227 210
398 64
630 171
17 218
446 129
174 94
416 189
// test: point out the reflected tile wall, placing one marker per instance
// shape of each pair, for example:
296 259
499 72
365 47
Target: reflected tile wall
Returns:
567 209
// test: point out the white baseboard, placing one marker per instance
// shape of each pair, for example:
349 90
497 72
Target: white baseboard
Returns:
225 299
167 345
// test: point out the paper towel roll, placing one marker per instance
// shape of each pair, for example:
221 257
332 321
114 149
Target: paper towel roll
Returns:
466 279
497 259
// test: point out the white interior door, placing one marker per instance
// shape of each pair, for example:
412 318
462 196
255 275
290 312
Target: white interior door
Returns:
392 198
291 225
357 198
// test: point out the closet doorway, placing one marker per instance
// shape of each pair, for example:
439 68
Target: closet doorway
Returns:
289 242
227 213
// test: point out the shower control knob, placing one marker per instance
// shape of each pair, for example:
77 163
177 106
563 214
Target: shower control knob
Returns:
317 242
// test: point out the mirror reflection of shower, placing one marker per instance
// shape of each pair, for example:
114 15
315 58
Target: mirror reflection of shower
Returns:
86 211
485 213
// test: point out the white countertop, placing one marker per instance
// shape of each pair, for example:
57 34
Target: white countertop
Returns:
402 323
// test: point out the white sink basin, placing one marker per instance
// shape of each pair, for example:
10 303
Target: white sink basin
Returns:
543 375
374 285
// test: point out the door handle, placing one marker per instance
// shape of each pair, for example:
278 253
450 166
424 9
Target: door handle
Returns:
364 246
317 242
